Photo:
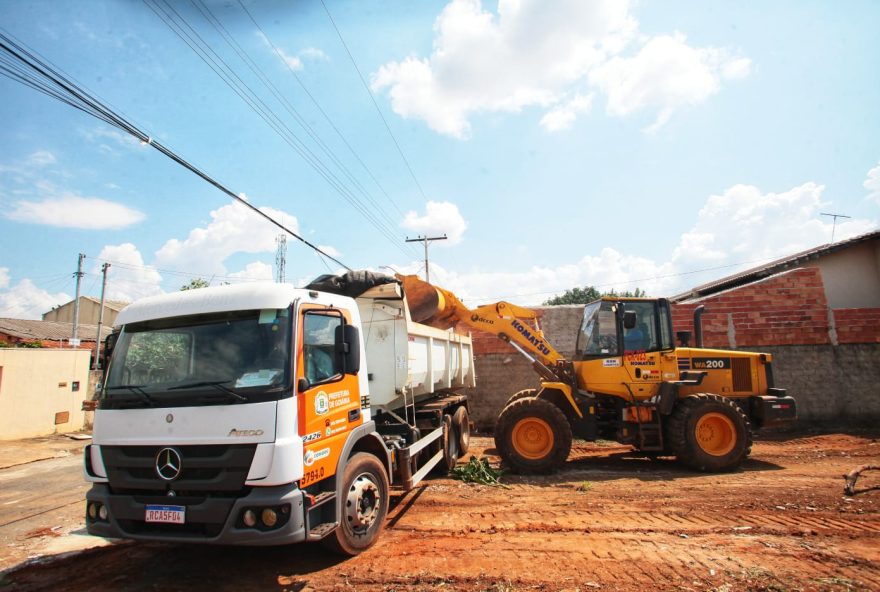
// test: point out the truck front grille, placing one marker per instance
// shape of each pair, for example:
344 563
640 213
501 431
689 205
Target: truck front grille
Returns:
208 470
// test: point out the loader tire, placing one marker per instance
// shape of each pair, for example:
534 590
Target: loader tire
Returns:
364 505
709 433
462 422
523 394
533 436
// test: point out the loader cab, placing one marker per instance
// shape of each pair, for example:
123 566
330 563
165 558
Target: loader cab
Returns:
614 327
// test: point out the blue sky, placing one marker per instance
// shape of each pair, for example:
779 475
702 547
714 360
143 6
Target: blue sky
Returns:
557 144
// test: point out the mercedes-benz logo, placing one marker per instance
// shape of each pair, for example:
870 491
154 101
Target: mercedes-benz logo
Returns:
168 464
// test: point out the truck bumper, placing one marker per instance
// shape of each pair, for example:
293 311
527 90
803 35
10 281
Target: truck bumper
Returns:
208 520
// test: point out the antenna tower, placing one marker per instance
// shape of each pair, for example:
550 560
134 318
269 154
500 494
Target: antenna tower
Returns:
280 257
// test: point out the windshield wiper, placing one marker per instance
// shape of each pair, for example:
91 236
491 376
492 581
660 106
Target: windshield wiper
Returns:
136 389
217 384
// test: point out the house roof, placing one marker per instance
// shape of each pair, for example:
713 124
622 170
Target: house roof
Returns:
49 330
116 305
758 273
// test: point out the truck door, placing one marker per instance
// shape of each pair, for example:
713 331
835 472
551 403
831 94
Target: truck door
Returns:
328 399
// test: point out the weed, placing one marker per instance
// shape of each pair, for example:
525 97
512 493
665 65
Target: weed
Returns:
478 470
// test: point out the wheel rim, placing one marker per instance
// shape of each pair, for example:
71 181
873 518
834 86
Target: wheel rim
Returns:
532 438
362 502
715 434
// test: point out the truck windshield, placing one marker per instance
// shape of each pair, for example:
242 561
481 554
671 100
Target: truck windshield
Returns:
201 360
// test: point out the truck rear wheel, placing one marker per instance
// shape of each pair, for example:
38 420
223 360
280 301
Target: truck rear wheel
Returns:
710 433
533 436
462 422
449 442
364 505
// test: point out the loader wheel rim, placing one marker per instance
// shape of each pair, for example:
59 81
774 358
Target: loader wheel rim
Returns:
715 434
532 438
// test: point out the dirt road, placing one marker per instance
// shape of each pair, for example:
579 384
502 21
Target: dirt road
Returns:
611 521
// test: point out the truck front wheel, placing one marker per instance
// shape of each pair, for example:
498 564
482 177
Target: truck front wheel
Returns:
532 436
709 433
364 505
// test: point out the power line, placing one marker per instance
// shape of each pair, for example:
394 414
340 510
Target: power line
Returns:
54 79
318 106
228 75
373 99
291 109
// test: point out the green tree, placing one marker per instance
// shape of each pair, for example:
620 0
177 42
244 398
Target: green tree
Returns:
589 294
195 284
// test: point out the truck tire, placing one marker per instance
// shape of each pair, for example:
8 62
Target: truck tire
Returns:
709 433
363 504
449 441
462 422
523 394
533 436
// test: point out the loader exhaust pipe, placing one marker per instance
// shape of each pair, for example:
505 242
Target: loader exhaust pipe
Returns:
698 325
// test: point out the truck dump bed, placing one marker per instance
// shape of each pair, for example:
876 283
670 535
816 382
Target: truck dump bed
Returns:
409 362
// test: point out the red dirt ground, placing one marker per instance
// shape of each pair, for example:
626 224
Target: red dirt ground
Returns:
612 520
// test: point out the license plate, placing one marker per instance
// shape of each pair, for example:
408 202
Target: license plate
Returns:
165 514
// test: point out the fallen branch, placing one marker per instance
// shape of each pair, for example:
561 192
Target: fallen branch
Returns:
852 476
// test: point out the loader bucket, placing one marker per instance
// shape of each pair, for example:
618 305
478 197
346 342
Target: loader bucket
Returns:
429 304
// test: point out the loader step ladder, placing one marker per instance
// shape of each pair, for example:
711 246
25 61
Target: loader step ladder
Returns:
651 434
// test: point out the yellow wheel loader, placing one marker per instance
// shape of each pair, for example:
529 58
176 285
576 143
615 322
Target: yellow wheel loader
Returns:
628 382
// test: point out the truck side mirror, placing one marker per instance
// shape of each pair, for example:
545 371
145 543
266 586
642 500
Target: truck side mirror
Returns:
629 319
109 344
348 349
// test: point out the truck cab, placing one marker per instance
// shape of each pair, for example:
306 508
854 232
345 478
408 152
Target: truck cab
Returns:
242 415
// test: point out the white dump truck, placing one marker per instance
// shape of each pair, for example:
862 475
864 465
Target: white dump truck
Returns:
263 414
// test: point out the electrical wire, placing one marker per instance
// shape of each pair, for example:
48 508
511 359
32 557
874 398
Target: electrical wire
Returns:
373 99
212 19
305 89
219 66
35 73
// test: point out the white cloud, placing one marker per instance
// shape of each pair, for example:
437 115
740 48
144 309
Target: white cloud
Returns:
740 228
66 209
332 251
256 270
25 300
128 277
441 217
527 55
872 184
101 135
313 53
667 73
41 158
233 229
293 62
561 117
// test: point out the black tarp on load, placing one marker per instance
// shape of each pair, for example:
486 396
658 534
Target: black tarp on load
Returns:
351 284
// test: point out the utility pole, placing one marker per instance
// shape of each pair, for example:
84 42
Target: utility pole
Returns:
97 363
79 274
834 225
426 240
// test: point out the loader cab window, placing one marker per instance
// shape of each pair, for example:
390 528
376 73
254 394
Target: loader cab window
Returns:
319 349
597 336
644 336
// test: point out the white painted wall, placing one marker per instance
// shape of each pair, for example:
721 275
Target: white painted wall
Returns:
35 385
852 276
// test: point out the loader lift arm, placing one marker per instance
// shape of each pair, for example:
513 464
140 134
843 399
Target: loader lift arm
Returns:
513 324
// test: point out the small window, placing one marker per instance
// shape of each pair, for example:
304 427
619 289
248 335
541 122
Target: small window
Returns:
642 337
319 347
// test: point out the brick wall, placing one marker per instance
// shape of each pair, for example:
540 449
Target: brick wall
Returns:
857 325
